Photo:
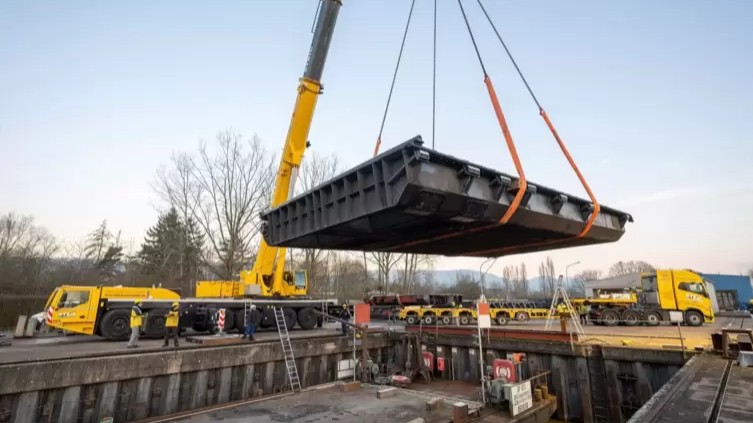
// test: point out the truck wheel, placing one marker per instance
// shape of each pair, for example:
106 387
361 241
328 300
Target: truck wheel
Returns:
155 325
291 317
693 318
522 316
307 318
502 319
652 318
116 325
429 319
631 318
268 318
609 318
411 319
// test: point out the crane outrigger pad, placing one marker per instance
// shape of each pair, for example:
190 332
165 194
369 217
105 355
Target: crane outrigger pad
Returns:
412 199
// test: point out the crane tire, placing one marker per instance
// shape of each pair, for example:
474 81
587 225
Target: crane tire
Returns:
240 319
291 317
155 325
307 318
116 325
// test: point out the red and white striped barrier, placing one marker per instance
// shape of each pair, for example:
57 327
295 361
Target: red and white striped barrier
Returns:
221 319
48 316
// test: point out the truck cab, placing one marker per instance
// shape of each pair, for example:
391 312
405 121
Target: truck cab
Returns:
98 310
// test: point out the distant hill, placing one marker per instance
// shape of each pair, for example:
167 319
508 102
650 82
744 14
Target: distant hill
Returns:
448 277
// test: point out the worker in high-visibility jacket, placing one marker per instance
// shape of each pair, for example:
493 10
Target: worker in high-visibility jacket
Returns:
136 321
171 324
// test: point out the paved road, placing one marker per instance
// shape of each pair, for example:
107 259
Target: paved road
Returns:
60 347
74 346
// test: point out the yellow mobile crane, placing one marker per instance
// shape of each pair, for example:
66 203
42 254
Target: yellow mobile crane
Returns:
105 310
268 277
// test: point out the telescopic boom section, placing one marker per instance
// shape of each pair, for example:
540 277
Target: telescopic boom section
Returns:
270 261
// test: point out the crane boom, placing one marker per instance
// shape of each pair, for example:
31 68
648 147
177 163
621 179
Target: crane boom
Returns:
268 270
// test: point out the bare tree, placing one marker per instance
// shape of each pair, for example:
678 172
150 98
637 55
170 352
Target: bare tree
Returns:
348 282
547 276
224 193
385 262
579 281
408 271
632 266
26 252
509 279
314 171
521 281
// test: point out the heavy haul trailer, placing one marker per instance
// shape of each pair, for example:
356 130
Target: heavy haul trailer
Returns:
105 311
412 199
384 306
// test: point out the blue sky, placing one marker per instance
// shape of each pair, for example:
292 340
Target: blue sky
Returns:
653 99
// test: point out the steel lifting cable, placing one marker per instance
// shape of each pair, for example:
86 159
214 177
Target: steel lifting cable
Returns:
560 142
434 83
394 78
522 183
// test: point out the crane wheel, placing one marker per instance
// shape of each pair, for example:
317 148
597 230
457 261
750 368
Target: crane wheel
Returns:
268 318
116 325
291 317
155 325
240 319
307 318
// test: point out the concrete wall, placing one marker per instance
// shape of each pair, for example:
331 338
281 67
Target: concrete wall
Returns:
136 386
592 383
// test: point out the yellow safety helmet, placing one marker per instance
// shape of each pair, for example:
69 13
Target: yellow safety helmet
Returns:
137 302
175 305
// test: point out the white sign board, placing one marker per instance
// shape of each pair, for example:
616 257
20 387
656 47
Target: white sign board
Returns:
675 316
345 368
519 396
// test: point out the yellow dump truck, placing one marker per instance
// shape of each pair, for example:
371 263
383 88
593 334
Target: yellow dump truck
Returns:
656 296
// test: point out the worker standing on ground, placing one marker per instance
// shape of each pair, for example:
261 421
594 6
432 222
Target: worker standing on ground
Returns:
171 324
136 320
344 316
583 312
250 326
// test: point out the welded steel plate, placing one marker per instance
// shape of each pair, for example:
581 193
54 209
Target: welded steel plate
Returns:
416 200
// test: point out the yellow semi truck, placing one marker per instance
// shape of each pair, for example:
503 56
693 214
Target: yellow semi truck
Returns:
657 295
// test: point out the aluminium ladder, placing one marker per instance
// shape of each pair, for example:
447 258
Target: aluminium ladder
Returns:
287 350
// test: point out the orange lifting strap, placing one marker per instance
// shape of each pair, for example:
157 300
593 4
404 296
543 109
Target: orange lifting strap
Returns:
589 223
522 184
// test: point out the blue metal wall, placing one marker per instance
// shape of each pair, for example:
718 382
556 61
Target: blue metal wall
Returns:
741 284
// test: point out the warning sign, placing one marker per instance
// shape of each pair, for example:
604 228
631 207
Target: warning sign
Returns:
519 396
